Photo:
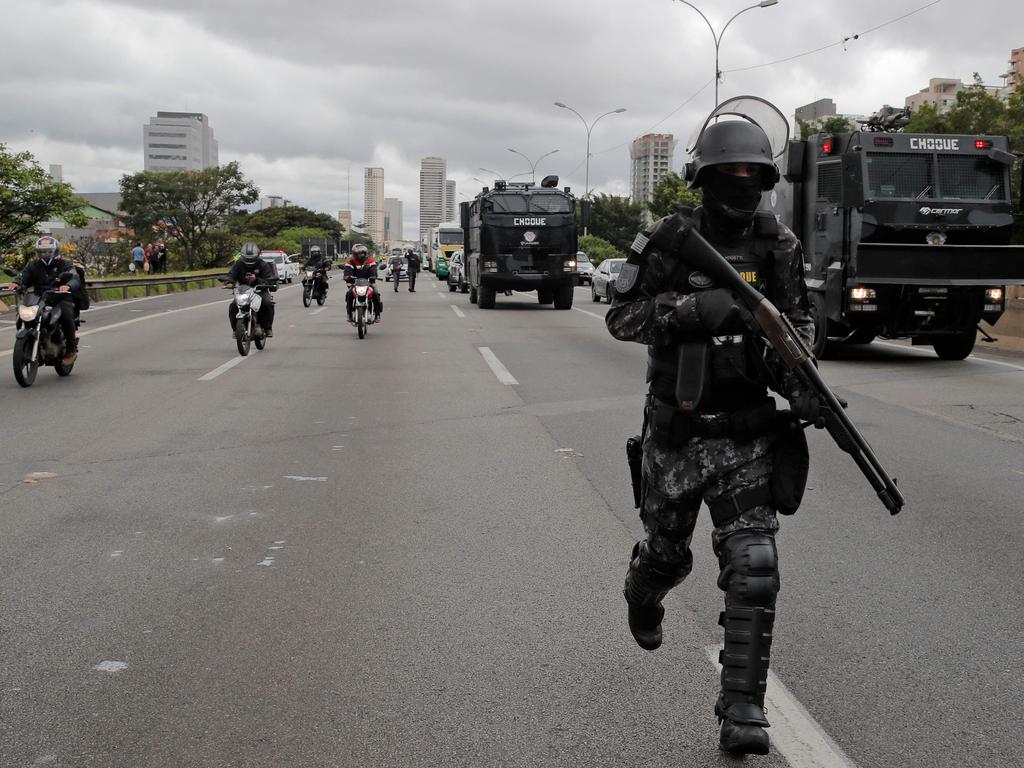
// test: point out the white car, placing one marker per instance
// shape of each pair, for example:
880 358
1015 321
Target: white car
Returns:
601 284
287 270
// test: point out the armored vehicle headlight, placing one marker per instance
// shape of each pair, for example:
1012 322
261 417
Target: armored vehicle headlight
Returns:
860 293
994 294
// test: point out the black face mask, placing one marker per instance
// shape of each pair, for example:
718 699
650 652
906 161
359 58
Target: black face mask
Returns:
731 199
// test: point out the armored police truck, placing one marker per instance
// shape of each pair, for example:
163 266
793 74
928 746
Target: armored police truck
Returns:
521 237
904 235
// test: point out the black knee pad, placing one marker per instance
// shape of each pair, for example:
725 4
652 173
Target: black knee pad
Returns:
750 569
649 579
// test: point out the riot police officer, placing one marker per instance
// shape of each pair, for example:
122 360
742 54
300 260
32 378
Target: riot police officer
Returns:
711 431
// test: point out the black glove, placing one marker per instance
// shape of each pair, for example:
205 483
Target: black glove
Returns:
721 312
803 402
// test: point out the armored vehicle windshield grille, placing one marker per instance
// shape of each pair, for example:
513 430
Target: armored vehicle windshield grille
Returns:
829 181
971 177
541 203
900 175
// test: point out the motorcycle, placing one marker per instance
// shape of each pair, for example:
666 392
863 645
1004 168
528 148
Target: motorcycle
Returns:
314 286
39 339
363 315
248 298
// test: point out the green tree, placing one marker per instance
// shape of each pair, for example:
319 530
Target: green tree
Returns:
616 219
976 111
29 195
926 119
836 124
271 221
670 190
190 203
598 249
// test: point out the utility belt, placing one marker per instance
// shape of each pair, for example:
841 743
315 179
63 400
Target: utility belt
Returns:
672 428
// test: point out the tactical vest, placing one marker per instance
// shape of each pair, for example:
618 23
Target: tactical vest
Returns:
731 367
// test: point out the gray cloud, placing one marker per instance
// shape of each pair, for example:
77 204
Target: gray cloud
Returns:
300 92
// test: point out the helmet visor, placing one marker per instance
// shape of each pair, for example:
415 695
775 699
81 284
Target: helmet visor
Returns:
755 110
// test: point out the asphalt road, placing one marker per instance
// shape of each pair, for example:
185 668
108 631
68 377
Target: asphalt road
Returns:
375 553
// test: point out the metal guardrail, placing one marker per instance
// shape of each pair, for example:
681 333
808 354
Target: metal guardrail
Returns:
149 283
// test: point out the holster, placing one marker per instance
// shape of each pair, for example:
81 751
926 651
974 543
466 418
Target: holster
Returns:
790 464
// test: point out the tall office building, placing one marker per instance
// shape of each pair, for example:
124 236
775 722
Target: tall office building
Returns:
392 219
432 192
651 157
373 204
179 141
451 213
345 219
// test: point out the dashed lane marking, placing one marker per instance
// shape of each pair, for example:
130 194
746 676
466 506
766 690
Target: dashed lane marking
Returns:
221 369
912 350
794 732
318 311
497 368
458 312
592 314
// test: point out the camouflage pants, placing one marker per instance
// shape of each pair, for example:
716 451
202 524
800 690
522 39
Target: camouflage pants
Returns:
703 469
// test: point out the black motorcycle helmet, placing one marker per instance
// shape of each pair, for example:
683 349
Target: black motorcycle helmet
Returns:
250 254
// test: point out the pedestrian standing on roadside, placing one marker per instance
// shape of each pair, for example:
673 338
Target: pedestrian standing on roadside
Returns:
161 258
413 260
138 259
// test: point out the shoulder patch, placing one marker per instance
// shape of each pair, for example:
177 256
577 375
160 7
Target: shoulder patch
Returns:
627 278
639 242
700 280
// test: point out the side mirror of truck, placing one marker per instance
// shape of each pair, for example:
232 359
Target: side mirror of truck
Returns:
585 213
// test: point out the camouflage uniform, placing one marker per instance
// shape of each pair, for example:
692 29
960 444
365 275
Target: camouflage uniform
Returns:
708 460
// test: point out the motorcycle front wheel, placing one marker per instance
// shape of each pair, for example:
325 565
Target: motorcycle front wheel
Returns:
242 338
307 295
25 367
361 321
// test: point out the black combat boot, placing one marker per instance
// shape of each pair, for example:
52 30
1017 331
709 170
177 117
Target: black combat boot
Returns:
647 583
744 659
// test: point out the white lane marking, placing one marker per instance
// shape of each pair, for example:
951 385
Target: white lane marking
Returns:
496 366
111 666
907 348
458 312
794 732
301 478
266 562
318 311
592 314
221 369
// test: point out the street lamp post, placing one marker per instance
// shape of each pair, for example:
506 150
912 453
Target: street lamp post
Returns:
718 37
533 165
590 127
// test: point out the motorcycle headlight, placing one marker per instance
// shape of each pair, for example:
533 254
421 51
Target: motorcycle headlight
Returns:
309 273
361 290
28 313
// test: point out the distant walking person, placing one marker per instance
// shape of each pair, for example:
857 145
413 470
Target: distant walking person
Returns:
161 258
138 258
414 263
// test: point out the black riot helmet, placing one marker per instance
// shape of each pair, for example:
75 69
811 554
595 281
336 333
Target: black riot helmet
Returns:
314 250
732 142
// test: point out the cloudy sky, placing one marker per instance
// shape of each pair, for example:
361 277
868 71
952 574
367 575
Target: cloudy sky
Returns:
305 93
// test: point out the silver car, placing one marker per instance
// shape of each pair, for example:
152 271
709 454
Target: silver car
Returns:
457 273
606 274
584 268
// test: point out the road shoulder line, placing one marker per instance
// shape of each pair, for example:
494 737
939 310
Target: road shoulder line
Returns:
497 368
222 368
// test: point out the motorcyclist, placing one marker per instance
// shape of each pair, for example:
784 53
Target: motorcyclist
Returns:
49 270
360 265
252 270
318 261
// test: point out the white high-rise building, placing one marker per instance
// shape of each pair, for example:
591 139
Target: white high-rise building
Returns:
373 204
392 219
179 141
451 213
345 219
651 157
432 193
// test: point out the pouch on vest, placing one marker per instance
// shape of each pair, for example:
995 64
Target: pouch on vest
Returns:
691 374
790 464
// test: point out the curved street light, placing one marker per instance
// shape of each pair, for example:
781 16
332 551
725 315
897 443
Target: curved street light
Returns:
718 37
534 164
590 127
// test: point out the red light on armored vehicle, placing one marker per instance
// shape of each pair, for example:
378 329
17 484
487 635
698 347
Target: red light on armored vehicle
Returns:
826 145
883 141
982 144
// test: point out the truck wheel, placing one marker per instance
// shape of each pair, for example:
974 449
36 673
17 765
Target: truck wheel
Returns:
956 346
563 296
472 294
819 348
485 297
545 296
